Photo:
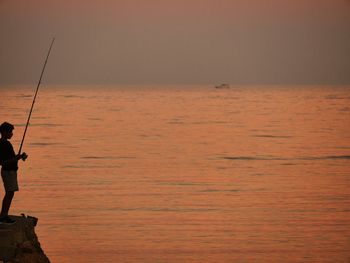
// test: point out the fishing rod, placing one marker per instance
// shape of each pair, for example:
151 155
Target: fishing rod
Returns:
36 92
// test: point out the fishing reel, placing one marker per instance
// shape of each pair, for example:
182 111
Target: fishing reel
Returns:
24 156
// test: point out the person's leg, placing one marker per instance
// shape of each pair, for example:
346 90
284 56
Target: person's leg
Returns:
11 185
6 203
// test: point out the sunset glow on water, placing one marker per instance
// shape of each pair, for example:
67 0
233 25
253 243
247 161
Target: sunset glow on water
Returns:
185 174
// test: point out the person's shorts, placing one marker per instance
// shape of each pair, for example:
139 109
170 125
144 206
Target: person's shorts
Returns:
9 179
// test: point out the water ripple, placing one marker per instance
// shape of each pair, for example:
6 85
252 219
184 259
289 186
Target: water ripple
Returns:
268 158
271 136
108 157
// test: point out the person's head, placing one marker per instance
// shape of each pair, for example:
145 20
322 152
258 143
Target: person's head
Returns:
6 130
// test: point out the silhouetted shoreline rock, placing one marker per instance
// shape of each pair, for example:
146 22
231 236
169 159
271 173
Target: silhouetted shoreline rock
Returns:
19 243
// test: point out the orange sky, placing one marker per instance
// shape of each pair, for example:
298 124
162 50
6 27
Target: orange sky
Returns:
183 41
142 8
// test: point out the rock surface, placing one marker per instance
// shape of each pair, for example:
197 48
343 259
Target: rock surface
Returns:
19 243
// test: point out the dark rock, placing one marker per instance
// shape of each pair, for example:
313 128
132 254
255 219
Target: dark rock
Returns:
19 243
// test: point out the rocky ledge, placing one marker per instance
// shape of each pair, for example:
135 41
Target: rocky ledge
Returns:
19 243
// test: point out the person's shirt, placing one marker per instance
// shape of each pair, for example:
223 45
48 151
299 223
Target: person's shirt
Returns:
7 153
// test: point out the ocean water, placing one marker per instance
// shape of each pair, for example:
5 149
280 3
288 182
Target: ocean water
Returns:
185 173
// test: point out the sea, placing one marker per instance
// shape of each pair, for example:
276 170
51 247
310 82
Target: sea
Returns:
162 174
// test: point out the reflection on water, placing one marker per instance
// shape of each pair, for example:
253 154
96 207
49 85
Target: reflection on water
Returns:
186 174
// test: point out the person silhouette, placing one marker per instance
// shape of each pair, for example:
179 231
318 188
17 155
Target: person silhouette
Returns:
9 162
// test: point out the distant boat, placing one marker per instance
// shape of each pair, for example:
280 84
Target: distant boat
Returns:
222 86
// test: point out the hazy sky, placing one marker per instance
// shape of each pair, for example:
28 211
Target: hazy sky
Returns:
176 41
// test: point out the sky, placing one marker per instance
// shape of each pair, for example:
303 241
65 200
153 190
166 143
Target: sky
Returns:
176 41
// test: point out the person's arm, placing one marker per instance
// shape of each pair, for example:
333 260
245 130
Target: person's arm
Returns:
22 156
